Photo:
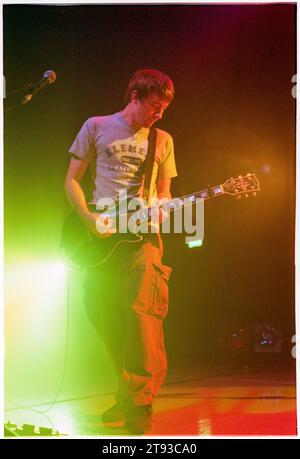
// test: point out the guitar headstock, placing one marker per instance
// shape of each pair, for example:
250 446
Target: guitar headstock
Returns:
241 185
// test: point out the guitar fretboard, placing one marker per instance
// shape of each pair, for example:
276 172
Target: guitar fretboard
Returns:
191 198
177 203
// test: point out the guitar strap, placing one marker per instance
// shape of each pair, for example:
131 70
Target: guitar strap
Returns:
149 164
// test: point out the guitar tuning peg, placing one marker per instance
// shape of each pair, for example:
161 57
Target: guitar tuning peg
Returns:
238 196
254 193
246 195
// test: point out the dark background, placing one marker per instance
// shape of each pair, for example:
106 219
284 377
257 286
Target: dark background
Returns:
233 113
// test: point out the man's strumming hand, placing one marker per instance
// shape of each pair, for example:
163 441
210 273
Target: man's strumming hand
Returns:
99 225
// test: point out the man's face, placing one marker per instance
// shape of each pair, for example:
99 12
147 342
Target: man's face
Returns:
150 109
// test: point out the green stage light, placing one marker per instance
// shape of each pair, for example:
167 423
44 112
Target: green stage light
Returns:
35 291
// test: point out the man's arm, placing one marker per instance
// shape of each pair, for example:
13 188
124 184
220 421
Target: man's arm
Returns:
163 188
77 169
163 191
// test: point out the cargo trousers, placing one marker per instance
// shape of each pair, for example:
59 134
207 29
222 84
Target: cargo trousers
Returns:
126 300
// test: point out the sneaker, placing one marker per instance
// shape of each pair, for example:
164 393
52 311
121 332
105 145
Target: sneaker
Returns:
138 419
114 414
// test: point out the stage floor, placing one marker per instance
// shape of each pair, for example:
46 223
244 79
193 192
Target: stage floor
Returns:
244 403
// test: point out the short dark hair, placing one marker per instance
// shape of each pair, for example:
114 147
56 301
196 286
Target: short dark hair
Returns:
146 81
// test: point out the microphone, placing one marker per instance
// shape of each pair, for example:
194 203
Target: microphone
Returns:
49 77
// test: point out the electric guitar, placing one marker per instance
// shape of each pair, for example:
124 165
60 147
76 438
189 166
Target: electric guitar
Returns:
85 250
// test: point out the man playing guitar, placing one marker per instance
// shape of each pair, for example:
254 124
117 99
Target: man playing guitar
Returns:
126 298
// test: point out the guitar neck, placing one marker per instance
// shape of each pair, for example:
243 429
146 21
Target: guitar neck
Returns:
238 186
177 203
205 194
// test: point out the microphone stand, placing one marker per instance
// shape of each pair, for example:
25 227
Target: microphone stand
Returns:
12 107
24 88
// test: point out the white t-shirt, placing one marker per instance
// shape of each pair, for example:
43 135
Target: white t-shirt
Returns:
117 153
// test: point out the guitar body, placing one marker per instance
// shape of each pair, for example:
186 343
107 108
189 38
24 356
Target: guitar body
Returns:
83 249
